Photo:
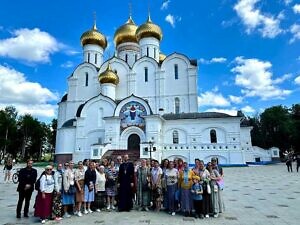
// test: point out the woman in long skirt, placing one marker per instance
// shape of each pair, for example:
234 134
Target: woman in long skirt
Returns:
43 204
57 210
186 182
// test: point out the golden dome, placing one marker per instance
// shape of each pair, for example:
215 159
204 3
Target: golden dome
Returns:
149 29
93 36
126 32
162 57
108 76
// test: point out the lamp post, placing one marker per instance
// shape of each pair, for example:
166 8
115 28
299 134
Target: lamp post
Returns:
151 148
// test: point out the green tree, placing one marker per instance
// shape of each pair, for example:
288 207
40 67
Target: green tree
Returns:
276 127
295 134
7 131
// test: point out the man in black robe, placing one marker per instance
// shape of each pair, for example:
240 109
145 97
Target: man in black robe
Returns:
27 178
125 181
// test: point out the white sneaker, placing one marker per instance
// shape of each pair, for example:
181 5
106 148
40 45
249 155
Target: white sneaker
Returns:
108 207
43 221
216 215
85 211
90 211
98 210
173 214
112 207
206 216
79 214
67 215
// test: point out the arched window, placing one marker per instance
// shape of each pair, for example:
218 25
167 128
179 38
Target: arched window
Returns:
89 56
213 136
96 57
176 71
175 137
154 51
126 58
146 74
148 51
177 105
135 57
86 79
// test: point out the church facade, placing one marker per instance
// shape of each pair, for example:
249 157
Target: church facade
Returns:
142 100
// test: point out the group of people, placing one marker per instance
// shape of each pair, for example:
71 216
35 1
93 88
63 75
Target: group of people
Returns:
171 186
290 158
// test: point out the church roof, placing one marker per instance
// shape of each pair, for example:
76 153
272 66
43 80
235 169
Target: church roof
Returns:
172 116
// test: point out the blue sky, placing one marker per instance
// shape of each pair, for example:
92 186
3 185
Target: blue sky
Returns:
248 51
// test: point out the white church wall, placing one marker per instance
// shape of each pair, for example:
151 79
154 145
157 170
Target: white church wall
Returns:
181 83
65 142
86 83
61 114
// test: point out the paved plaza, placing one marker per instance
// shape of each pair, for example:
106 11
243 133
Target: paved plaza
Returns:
252 195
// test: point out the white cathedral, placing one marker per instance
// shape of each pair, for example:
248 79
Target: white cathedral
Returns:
144 102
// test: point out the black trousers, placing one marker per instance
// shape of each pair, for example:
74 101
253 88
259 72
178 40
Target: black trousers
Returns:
206 204
198 206
289 167
27 196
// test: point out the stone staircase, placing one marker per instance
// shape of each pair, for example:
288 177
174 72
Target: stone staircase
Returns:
133 154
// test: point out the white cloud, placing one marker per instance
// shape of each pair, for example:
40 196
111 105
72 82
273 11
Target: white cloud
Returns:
253 19
287 2
67 64
170 19
236 99
296 8
212 99
26 96
255 78
213 60
295 30
165 5
232 112
248 109
297 80
280 80
29 45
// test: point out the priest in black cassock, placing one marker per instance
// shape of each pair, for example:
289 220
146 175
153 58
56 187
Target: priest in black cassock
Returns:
126 182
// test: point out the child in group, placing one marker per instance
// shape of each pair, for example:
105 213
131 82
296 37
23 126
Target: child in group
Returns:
197 192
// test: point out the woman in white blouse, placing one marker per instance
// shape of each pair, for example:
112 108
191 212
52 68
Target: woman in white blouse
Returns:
43 204
100 193
172 186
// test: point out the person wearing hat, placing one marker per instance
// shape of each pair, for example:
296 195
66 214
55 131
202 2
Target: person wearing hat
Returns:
197 192
43 204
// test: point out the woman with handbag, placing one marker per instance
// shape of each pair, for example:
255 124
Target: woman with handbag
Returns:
214 176
204 181
68 188
143 186
89 187
79 181
111 185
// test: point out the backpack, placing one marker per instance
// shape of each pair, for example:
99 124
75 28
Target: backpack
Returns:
37 184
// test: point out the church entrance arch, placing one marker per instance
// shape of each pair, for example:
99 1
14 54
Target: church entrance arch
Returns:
134 141
133 146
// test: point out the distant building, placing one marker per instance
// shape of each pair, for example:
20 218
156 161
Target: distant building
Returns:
141 99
